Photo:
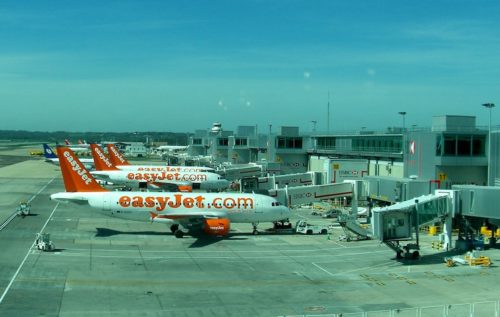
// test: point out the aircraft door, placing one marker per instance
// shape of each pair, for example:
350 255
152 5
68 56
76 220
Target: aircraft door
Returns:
258 205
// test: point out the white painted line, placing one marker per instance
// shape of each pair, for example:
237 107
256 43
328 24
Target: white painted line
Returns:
14 215
31 199
351 271
322 269
25 258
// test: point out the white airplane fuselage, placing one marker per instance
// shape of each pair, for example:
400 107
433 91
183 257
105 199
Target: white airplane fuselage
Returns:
238 208
164 168
206 180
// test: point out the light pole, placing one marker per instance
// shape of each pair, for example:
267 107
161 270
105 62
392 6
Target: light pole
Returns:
314 125
489 105
403 114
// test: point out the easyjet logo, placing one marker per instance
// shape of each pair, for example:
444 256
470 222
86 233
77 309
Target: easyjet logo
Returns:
168 169
77 168
182 201
217 228
103 157
117 154
153 177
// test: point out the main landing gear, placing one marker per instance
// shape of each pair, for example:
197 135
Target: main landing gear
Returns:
255 232
176 231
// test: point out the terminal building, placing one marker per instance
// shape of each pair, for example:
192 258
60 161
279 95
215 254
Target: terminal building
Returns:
454 150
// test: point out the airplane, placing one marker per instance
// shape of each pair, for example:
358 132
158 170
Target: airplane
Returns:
185 181
211 213
50 156
78 148
120 162
171 148
83 144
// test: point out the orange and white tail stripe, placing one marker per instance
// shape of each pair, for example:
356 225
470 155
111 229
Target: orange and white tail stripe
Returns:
115 156
75 176
101 160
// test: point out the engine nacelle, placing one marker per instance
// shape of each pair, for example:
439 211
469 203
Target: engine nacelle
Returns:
217 227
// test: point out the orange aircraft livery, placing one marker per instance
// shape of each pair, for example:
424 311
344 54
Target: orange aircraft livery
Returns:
153 177
178 201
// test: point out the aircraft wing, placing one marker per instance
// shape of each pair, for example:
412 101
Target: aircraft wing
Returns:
66 197
171 185
183 216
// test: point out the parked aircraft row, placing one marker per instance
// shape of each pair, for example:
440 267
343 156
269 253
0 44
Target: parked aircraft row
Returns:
211 213
50 156
182 177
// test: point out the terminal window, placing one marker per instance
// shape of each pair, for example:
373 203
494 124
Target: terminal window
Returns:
289 143
461 145
240 141
223 141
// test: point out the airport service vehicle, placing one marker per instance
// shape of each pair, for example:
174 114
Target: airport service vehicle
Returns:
23 209
43 242
304 227
183 181
332 213
211 213
118 160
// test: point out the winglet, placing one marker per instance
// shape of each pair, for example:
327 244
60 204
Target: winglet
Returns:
101 161
76 177
115 156
48 152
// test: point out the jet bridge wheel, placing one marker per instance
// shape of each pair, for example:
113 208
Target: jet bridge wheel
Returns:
179 234
174 228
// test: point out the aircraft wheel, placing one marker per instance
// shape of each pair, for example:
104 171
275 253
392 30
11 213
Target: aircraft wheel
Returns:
415 255
255 232
179 234
174 228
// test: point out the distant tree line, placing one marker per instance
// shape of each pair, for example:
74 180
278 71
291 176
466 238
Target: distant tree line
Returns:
153 138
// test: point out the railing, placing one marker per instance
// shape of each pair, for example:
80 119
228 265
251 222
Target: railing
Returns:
367 149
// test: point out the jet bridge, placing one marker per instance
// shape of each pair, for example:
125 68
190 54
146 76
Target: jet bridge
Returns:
401 221
292 196
291 180
234 172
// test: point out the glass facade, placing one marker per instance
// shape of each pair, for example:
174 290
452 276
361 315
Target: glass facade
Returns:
240 141
223 141
289 142
375 143
460 145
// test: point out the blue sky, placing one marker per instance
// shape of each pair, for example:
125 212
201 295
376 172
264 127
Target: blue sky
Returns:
181 65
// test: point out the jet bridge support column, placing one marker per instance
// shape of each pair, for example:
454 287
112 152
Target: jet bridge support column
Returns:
447 243
451 209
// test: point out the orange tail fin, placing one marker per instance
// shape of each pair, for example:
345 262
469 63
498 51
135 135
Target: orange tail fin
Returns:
115 156
101 161
75 175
